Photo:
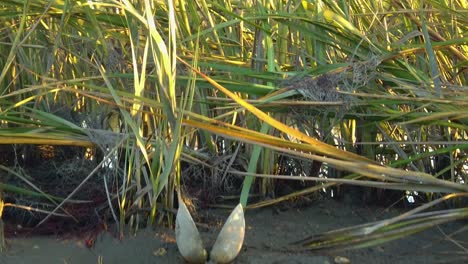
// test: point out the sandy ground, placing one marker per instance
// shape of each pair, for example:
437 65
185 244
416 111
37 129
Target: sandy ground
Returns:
267 230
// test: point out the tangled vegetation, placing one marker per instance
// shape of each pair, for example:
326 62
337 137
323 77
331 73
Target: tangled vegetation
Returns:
108 108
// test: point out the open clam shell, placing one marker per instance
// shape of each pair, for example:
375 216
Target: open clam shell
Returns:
230 239
187 236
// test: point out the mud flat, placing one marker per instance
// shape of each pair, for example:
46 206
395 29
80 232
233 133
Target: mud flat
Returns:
268 231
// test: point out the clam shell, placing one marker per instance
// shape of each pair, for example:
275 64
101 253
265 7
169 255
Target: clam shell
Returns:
230 239
187 236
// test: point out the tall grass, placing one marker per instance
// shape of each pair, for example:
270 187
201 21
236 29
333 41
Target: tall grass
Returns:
374 92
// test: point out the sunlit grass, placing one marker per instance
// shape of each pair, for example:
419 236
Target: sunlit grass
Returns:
376 89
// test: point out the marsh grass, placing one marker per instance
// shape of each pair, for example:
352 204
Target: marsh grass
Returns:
363 93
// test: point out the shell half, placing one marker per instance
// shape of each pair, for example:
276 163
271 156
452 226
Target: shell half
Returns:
187 236
230 239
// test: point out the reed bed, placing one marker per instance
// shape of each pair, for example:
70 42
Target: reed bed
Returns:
219 98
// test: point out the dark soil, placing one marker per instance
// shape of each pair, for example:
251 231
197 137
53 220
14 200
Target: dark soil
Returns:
269 232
